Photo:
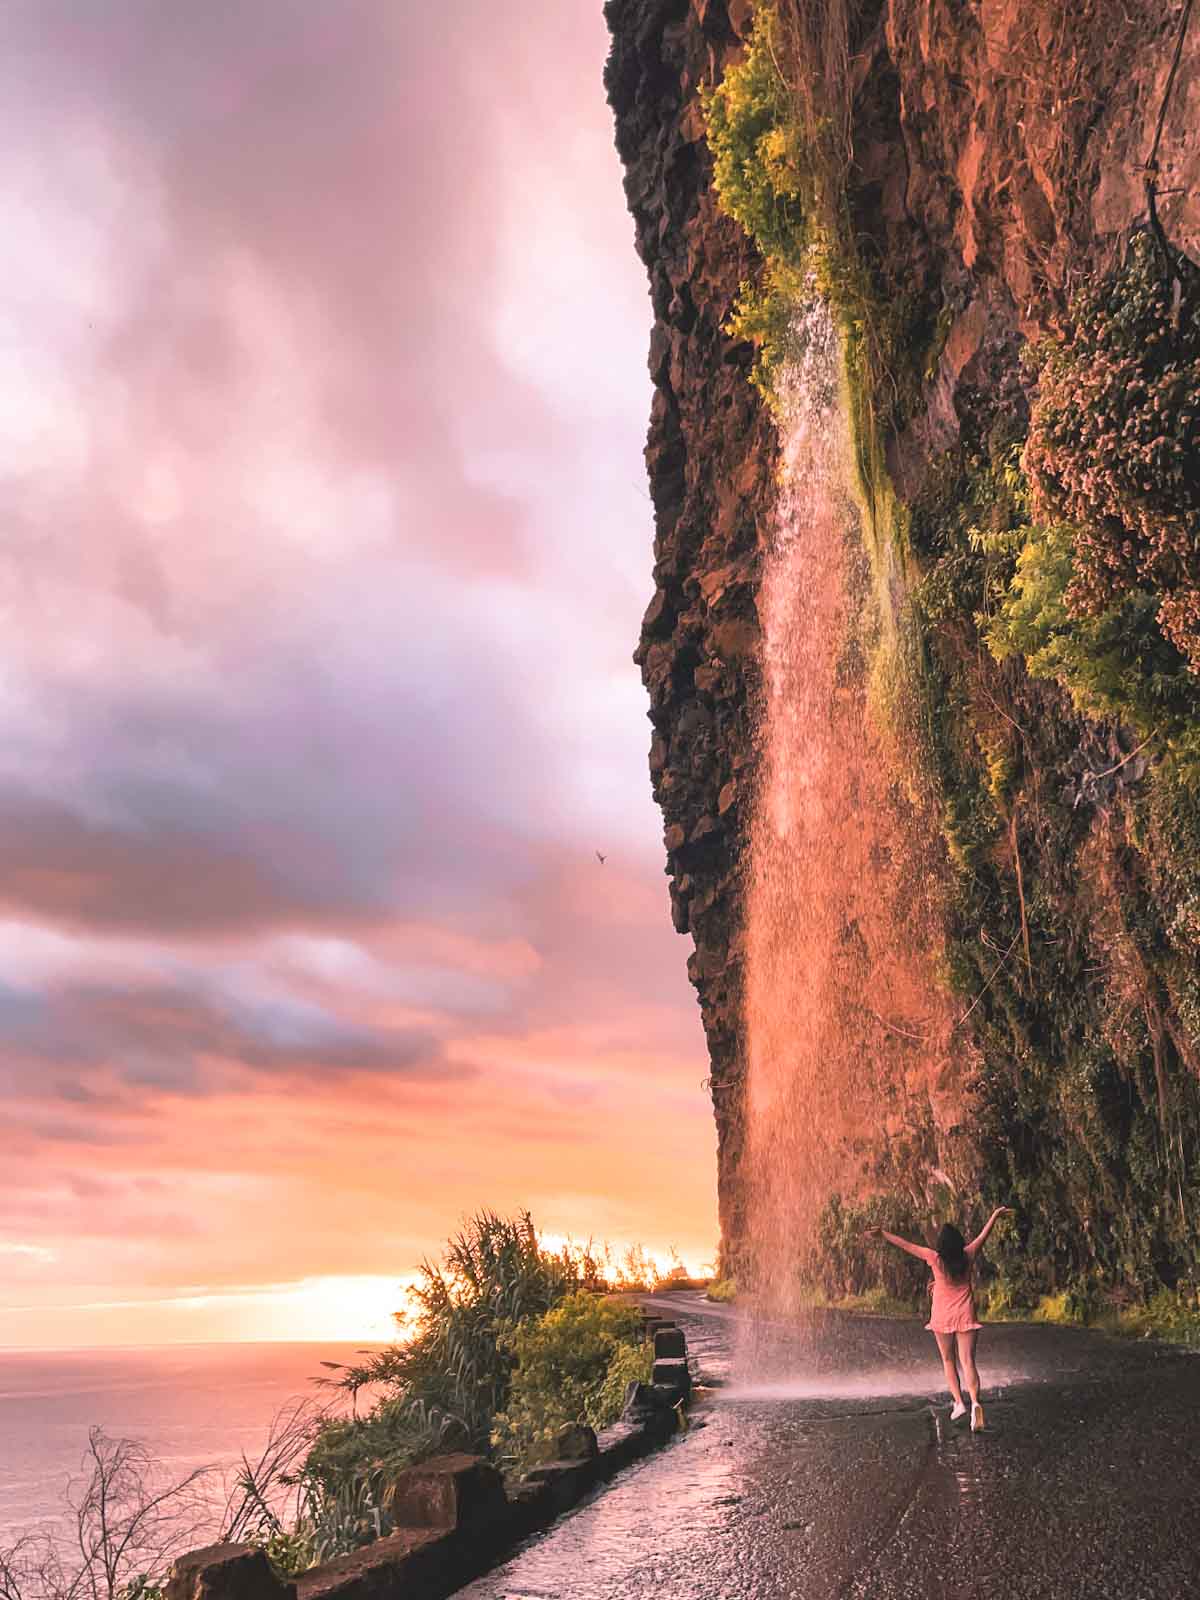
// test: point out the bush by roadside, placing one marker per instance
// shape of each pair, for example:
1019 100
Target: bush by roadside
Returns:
572 1365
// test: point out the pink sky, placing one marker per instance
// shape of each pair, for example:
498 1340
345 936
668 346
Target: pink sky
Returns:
322 399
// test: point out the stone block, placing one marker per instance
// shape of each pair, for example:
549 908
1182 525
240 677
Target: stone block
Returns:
622 1443
452 1491
669 1342
420 1563
673 1374
226 1572
532 1507
576 1442
642 1401
568 1481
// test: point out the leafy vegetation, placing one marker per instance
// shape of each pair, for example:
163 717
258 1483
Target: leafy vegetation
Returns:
1114 440
764 180
724 1291
1070 826
778 144
762 163
572 1365
1106 571
852 1261
511 1340
1052 698
443 1387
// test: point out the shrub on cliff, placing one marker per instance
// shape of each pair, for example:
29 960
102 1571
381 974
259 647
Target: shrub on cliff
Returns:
762 177
572 1365
1114 662
1114 441
760 161
780 156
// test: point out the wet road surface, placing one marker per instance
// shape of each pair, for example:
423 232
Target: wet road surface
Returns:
840 1477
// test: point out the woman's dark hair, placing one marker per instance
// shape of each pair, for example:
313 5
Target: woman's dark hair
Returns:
951 1247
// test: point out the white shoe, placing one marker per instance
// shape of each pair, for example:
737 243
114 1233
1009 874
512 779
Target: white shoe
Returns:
959 1410
976 1417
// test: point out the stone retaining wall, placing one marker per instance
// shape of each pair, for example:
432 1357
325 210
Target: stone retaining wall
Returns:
458 1519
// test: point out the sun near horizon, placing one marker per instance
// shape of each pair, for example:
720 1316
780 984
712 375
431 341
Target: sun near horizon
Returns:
373 1308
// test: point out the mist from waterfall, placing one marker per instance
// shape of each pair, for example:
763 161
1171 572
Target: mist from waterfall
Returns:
848 1036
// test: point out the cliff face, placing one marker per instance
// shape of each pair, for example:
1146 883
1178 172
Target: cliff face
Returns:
998 154
710 456
1000 151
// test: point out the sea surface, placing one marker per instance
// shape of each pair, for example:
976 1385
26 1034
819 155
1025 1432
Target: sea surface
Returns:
191 1405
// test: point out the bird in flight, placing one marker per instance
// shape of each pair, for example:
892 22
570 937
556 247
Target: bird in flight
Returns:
601 859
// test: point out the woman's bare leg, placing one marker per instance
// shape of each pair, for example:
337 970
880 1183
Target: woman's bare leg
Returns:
945 1344
966 1359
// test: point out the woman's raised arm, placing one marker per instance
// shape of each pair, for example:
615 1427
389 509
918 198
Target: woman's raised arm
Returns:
978 1241
921 1253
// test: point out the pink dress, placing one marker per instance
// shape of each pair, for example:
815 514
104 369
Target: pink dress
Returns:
953 1309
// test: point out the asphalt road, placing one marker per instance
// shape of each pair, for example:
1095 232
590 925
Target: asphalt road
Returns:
835 1472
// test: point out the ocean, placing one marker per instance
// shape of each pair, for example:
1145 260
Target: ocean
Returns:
191 1405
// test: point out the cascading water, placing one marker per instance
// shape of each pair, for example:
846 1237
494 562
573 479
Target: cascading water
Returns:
848 1038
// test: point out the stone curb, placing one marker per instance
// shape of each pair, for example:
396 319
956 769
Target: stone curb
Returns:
462 1520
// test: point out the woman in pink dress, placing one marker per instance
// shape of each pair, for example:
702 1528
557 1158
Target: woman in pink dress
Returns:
952 1321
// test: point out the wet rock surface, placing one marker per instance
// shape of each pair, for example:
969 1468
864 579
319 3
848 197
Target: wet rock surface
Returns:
842 1477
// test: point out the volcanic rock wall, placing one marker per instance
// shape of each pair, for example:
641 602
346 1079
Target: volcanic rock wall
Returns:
998 158
711 456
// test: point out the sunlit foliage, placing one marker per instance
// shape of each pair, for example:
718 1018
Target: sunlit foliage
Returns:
571 1365
1114 441
761 167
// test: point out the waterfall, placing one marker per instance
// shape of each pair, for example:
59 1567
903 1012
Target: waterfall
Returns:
848 1036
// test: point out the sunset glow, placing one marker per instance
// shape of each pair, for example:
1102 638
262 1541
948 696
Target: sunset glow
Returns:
323 567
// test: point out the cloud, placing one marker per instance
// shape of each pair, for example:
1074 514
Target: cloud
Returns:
187 1031
322 396
33 1252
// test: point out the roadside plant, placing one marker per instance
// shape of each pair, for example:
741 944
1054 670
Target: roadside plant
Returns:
563 1364
441 1388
